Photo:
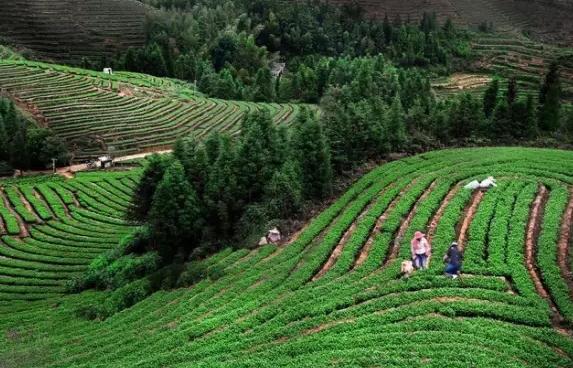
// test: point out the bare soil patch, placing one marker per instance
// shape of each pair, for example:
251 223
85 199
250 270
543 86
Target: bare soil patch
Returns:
393 252
468 217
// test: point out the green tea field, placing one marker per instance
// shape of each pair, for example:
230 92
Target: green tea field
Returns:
331 296
125 113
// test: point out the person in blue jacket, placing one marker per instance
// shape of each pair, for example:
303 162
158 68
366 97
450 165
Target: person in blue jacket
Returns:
453 260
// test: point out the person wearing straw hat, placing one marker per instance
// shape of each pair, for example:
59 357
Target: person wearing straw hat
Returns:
421 250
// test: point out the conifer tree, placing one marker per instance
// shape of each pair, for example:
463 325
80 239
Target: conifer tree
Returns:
284 191
175 213
396 125
550 100
490 97
311 151
143 195
511 94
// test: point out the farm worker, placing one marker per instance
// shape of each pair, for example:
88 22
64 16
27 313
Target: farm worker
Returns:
453 260
421 250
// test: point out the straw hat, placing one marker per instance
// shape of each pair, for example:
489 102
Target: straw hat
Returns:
419 235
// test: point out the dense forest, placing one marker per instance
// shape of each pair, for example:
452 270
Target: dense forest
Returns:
25 146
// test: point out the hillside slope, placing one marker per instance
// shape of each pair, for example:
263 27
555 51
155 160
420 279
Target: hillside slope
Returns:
67 30
545 19
334 295
126 113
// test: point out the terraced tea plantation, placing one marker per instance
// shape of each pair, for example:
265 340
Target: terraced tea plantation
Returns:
528 61
51 229
69 30
126 113
334 296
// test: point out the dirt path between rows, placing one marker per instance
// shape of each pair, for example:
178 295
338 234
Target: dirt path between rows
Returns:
431 231
28 206
565 243
533 228
395 249
469 214
363 254
342 243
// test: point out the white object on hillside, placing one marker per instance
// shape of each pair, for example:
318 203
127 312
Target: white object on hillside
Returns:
107 71
274 235
488 183
263 241
473 185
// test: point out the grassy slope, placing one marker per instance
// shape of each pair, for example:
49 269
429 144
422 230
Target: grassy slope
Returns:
68 30
265 310
129 112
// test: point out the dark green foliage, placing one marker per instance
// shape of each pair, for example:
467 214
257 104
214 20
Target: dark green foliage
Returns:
221 198
465 116
567 125
511 94
396 125
310 150
490 97
227 49
550 100
174 216
284 193
258 155
143 194
501 126
264 88
24 146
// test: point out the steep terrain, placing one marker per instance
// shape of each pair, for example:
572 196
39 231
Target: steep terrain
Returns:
545 20
67 30
125 113
297 305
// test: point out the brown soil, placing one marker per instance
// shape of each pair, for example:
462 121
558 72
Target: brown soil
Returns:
533 228
468 217
325 326
340 246
393 253
2 229
439 213
28 108
363 254
41 199
336 252
28 206
564 243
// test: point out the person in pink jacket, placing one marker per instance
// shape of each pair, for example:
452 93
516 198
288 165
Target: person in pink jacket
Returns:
421 250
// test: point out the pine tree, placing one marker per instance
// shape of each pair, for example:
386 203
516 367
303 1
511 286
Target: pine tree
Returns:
490 97
4 142
143 195
511 94
311 151
222 201
19 157
264 87
396 125
174 217
258 154
501 121
550 100
284 191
